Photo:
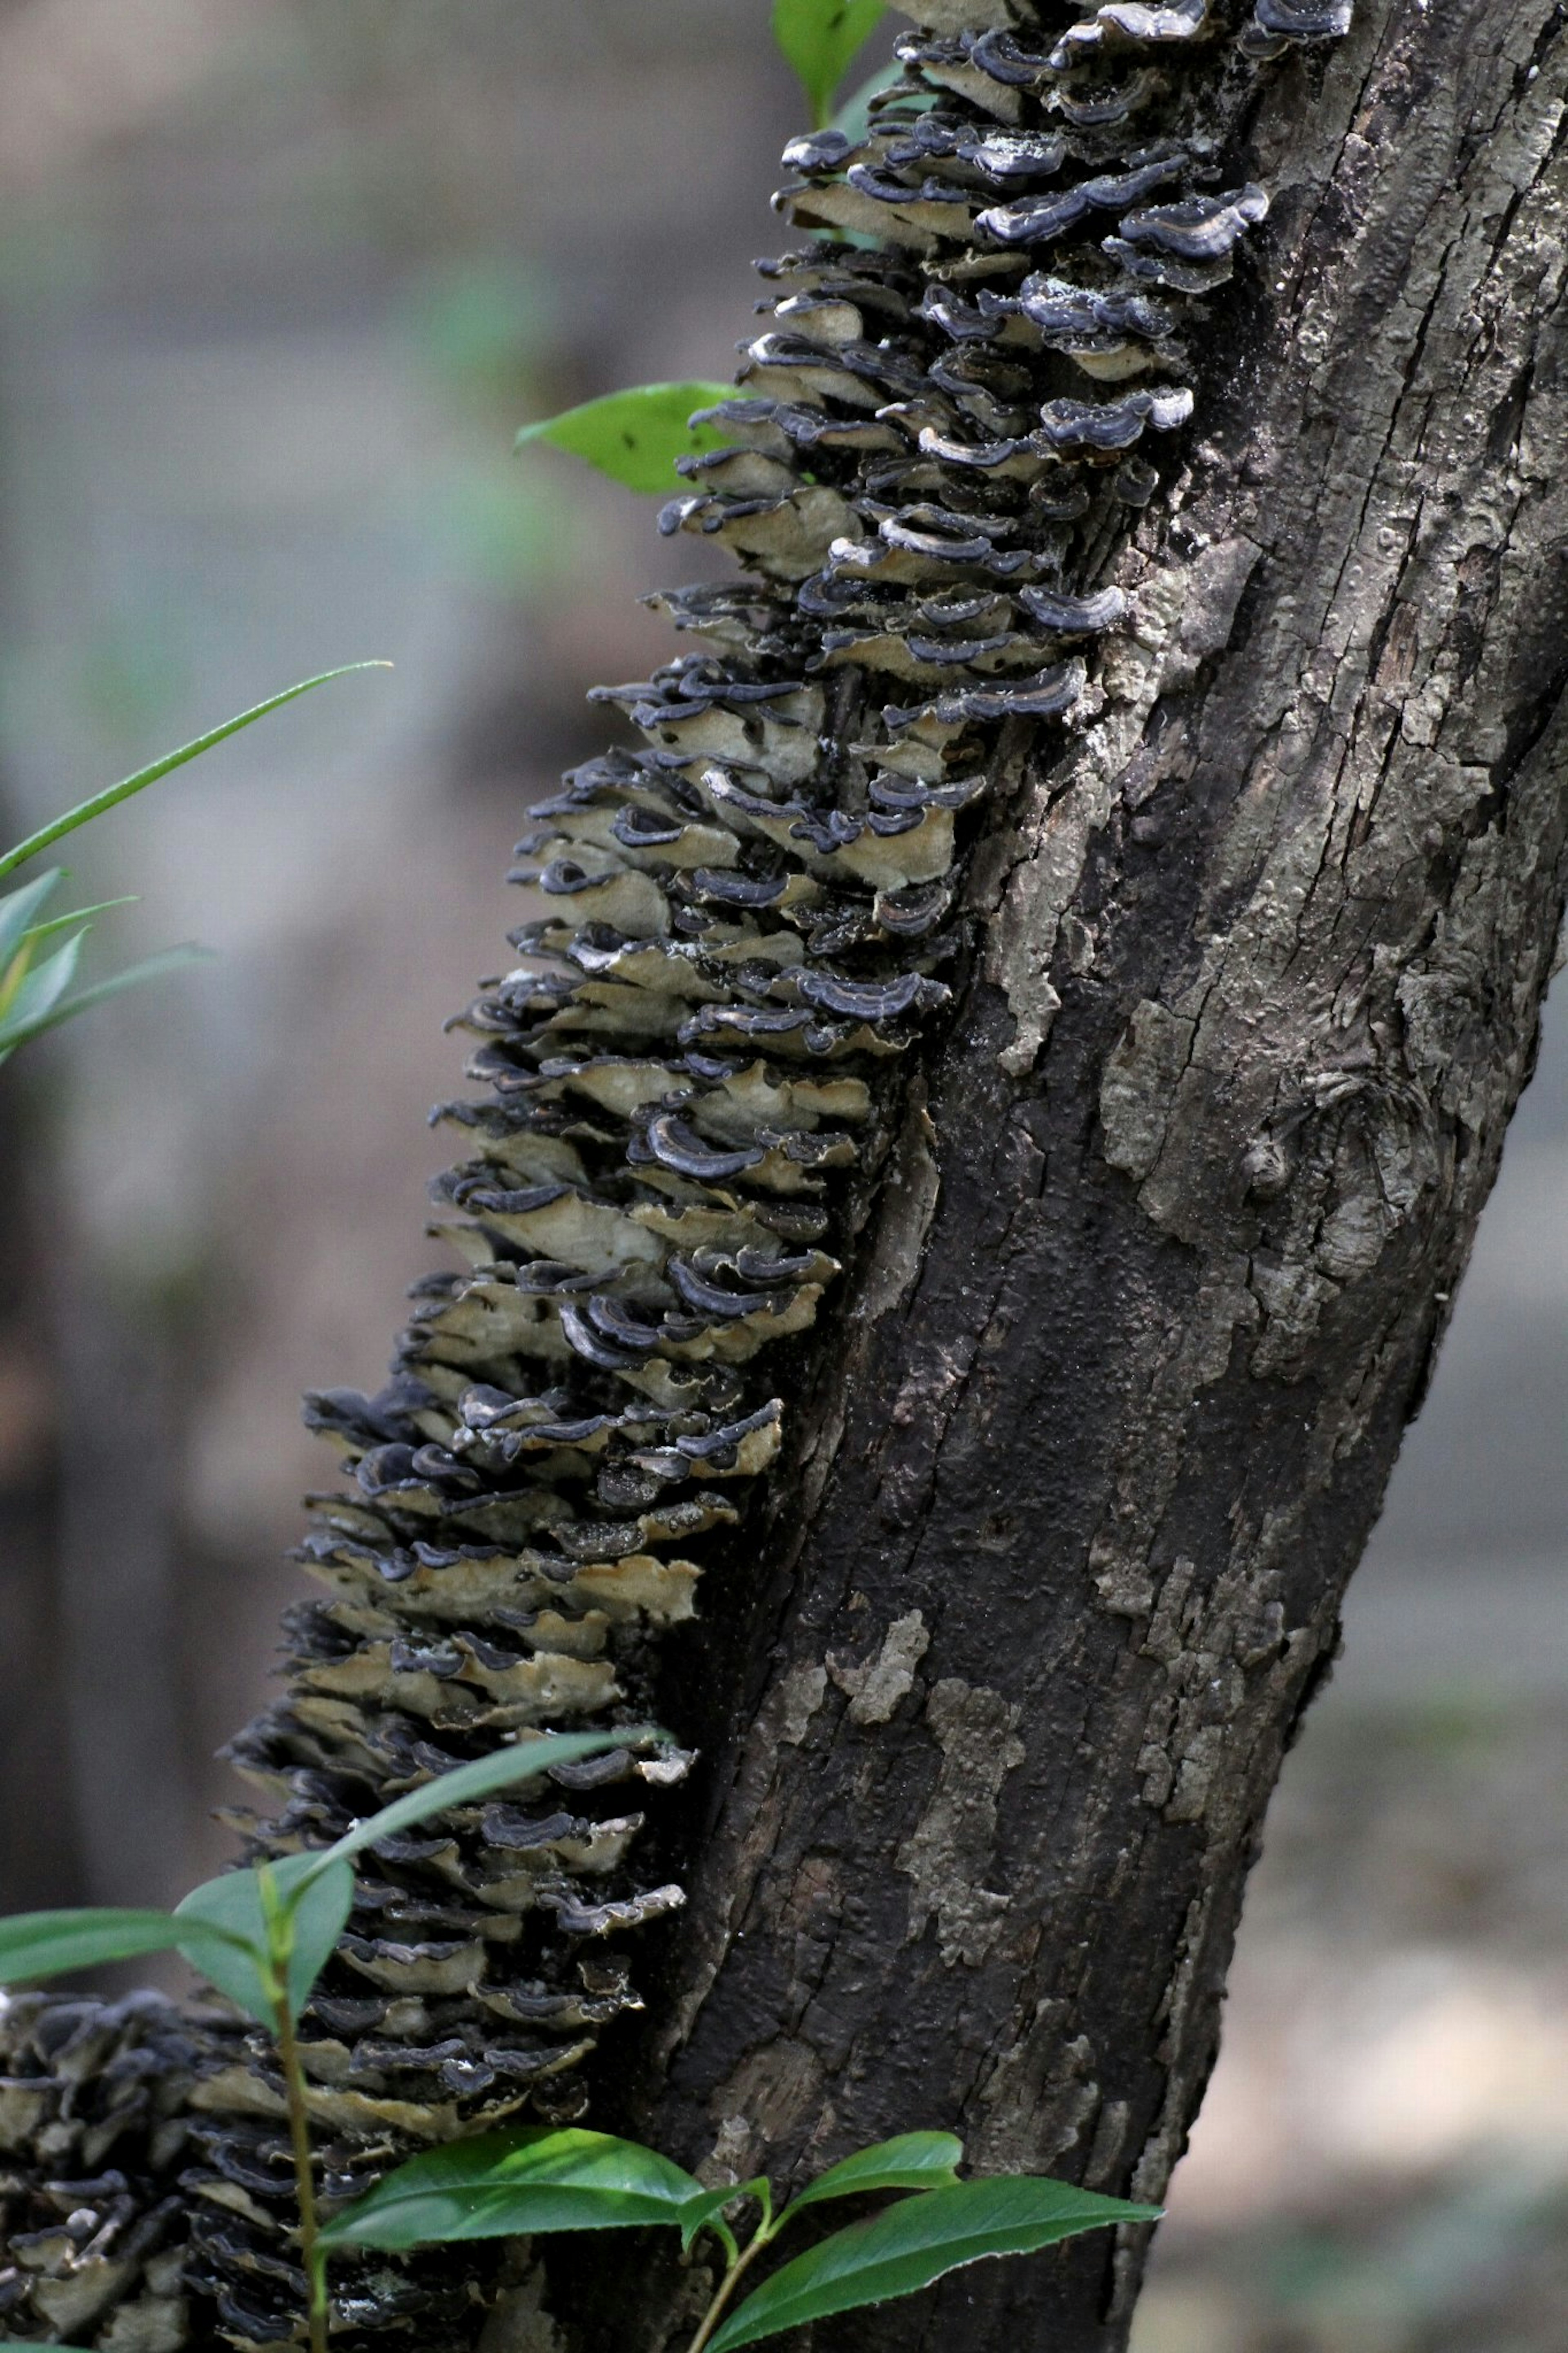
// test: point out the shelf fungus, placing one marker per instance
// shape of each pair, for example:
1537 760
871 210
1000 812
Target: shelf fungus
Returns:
742 924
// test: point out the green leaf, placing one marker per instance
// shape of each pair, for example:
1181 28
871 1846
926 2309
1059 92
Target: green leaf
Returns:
700 2211
38 991
17 910
819 37
317 1888
917 2160
79 915
15 1028
316 1894
521 1762
636 435
114 793
914 2242
501 2183
47 1943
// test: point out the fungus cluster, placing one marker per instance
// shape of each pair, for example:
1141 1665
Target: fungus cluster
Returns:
93 2226
942 438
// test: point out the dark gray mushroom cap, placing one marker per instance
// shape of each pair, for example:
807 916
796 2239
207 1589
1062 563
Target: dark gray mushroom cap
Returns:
1076 616
1197 228
1003 58
1039 221
1276 23
1132 24
1103 104
1059 308
1112 424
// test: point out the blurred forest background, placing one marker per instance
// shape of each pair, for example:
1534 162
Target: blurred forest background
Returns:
278 278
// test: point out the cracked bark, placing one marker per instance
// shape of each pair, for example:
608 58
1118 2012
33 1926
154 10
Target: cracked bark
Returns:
1170 1241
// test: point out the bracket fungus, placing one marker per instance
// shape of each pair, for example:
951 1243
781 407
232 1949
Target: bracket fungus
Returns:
740 926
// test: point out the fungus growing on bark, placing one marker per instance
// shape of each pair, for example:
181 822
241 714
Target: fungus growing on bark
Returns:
743 921
1278 25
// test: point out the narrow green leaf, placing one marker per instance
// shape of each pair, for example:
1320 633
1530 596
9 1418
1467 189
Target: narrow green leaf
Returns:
318 1895
521 1762
39 990
636 435
917 2160
15 1029
17 910
113 794
914 2242
820 38
699 2212
79 915
502 2183
47 1944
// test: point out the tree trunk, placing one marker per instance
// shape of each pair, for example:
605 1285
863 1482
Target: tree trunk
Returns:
1146 1257
1168 1245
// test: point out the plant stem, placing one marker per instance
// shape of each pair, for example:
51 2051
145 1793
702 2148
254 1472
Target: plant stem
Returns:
280 1918
727 2286
304 2183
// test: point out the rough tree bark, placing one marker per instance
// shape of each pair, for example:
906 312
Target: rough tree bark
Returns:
1171 1240
992 1688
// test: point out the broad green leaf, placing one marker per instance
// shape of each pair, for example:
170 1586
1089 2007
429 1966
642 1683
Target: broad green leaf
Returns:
521 1762
820 38
319 1896
47 1944
917 2160
914 2242
501 2183
17 910
638 435
15 1029
113 794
